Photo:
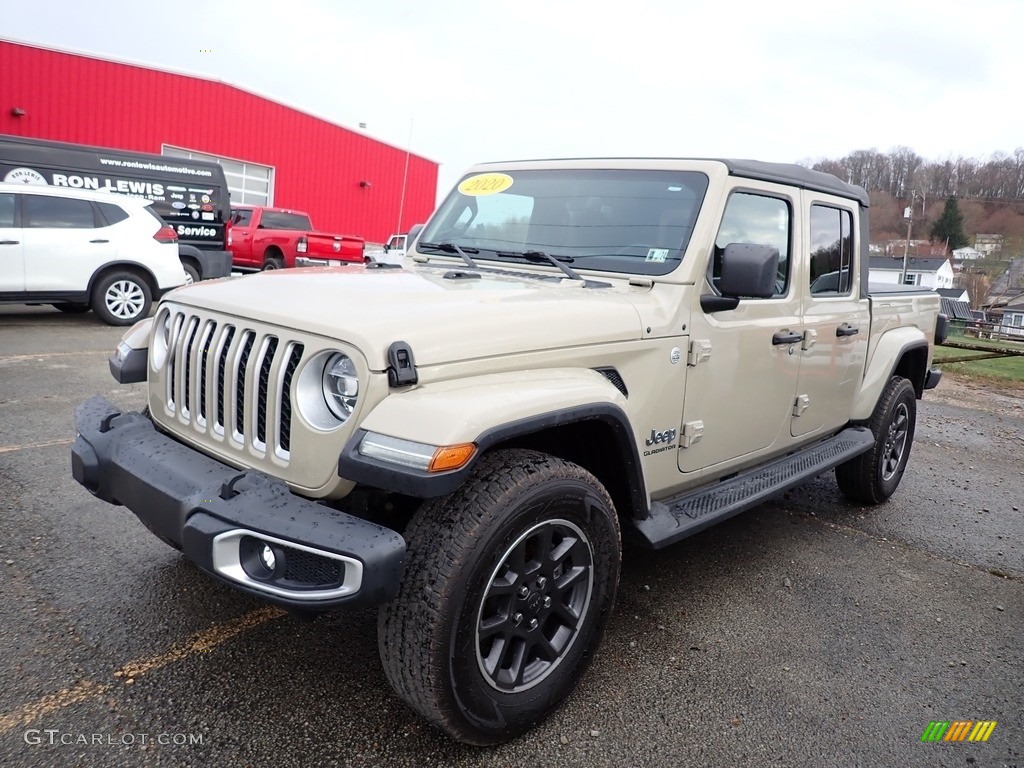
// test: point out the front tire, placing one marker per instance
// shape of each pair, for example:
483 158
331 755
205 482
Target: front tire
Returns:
121 298
873 477
508 585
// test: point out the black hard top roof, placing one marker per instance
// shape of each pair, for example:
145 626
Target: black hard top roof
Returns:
784 173
790 173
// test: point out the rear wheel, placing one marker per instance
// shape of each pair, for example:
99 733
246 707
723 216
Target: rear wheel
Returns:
191 273
72 309
121 298
873 477
273 262
508 585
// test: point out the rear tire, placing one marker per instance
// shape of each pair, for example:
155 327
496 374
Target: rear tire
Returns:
121 298
71 309
191 273
273 262
873 477
509 582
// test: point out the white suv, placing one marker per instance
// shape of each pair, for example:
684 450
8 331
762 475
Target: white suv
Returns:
80 250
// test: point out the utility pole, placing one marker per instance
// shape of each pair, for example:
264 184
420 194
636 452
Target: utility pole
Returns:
908 214
405 179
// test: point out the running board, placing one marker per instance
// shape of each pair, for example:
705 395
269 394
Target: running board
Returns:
674 519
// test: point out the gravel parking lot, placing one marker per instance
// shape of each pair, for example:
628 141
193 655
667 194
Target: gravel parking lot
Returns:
808 632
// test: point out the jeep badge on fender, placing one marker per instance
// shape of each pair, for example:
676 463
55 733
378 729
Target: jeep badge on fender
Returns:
661 437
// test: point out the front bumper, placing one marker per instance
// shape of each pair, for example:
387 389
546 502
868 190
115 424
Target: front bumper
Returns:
225 520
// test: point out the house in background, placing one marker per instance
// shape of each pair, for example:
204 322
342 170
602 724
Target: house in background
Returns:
966 254
1008 283
989 244
955 303
927 272
1010 316
953 294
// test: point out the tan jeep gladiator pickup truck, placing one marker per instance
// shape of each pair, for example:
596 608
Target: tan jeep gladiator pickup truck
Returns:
572 350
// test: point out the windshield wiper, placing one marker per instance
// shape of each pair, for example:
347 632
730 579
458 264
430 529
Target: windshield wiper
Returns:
541 256
453 248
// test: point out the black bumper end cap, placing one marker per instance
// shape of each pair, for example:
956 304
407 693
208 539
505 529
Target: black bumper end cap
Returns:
932 380
132 369
85 465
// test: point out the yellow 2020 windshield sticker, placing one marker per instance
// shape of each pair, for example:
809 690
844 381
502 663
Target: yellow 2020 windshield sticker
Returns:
485 184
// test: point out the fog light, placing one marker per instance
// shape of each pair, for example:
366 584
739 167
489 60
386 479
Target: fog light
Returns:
267 557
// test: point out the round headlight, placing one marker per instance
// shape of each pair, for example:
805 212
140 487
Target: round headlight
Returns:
341 385
161 339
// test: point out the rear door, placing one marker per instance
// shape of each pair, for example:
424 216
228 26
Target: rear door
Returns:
12 253
64 243
835 316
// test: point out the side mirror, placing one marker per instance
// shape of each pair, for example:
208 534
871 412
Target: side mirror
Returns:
414 232
386 247
749 270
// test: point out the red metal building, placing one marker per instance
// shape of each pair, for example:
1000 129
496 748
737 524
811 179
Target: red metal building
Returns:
273 154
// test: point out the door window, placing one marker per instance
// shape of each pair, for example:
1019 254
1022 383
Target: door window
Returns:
6 210
57 212
242 217
831 251
112 214
286 221
758 220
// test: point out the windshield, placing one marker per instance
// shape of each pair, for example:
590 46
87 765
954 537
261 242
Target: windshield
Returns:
630 221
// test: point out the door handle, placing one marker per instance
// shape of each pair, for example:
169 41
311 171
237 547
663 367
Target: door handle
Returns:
847 330
787 337
8 242
99 241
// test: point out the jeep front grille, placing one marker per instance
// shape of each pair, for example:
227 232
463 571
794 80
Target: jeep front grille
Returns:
232 382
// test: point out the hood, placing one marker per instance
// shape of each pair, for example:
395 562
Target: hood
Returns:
443 320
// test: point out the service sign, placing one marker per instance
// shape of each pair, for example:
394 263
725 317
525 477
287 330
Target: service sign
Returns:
173 203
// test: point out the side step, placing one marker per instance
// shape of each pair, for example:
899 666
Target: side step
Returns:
693 511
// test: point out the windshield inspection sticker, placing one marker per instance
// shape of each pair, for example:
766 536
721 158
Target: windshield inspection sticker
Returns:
657 254
485 184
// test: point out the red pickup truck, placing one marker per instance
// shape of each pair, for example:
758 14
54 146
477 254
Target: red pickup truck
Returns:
274 238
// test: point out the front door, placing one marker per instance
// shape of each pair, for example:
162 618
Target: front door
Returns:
743 374
241 238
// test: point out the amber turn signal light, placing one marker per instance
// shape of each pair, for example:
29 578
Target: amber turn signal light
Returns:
451 457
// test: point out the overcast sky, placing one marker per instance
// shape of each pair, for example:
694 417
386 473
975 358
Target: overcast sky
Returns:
498 80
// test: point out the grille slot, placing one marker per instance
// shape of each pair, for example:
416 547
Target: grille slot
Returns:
248 338
172 362
204 358
285 439
231 381
262 385
185 398
222 361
